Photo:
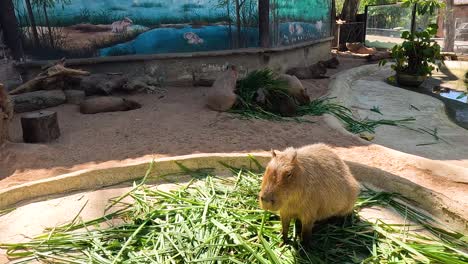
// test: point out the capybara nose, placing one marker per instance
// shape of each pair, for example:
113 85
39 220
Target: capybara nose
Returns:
266 199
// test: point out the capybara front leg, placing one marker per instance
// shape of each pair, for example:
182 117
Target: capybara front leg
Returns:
285 221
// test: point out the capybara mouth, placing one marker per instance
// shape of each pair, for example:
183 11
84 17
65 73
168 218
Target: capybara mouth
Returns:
268 206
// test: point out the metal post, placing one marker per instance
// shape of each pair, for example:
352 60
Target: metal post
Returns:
366 11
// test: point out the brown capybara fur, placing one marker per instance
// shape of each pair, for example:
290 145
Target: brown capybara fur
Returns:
296 89
222 97
315 71
308 184
107 104
332 63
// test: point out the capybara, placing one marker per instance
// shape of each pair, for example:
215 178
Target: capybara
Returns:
296 89
308 184
107 104
315 71
222 96
6 105
332 63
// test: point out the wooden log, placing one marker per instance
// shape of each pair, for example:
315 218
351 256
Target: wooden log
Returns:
40 127
47 79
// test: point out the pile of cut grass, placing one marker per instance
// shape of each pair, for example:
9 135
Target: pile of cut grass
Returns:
217 220
270 84
266 79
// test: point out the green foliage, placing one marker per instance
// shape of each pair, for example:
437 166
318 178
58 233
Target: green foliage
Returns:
218 220
418 54
425 6
265 80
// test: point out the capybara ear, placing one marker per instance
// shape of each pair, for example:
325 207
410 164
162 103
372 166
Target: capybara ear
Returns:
273 153
294 157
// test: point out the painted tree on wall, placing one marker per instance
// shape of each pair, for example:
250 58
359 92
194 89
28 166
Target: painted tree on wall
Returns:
32 22
9 28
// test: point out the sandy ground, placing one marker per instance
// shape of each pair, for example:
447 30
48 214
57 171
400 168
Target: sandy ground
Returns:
177 124
180 124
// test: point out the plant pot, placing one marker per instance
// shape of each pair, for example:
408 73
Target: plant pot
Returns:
405 79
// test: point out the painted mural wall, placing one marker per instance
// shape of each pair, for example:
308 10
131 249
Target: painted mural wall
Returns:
91 28
295 21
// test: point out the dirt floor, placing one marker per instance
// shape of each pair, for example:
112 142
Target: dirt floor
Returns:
180 124
177 124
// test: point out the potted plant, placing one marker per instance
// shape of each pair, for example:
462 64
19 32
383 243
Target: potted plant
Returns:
416 58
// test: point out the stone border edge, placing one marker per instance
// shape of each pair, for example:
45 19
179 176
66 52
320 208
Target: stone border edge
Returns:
434 203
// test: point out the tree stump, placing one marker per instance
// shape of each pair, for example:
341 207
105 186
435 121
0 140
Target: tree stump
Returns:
40 127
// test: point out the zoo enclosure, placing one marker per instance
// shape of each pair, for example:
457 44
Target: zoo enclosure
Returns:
385 23
52 29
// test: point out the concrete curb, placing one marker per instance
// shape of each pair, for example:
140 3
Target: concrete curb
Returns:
97 178
436 204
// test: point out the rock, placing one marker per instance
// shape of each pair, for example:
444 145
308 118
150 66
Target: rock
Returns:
367 136
135 85
140 84
296 89
37 100
221 97
102 84
75 96
107 104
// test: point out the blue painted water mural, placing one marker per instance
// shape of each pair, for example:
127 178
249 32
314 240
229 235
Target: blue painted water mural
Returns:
312 16
177 25
171 40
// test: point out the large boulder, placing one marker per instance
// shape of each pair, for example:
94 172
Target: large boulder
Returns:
38 100
221 96
102 84
107 104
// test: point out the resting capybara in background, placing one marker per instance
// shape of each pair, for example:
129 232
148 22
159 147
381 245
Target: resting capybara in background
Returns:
314 71
332 63
107 104
221 96
308 184
296 89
